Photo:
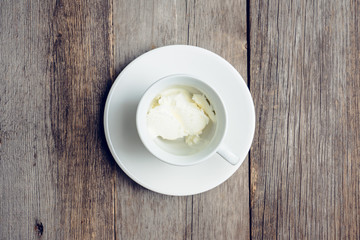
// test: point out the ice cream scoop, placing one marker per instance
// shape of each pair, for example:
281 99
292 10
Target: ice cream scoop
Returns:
179 113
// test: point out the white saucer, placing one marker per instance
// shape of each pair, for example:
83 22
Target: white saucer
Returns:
120 127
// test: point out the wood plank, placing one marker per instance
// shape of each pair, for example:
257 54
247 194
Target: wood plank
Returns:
140 26
55 71
305 157
81 68
27 170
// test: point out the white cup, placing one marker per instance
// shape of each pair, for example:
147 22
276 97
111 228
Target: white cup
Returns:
177 152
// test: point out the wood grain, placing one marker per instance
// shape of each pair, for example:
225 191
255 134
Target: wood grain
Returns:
222 213
81 68
305 162
55 168
59 58
27 167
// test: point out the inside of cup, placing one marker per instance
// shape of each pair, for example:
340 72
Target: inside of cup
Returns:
179 147
177 151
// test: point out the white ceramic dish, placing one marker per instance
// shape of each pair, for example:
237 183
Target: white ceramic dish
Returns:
120 114
178 152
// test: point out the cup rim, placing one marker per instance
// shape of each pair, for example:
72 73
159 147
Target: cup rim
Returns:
151 146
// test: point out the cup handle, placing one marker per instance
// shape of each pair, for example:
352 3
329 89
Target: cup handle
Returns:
225 152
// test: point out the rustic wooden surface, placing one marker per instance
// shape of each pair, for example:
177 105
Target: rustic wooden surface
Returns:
56 171
59 58
305 159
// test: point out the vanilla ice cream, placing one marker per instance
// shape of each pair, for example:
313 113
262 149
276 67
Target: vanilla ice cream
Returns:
179 113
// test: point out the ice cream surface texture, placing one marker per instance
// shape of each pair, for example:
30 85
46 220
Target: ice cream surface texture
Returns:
179 113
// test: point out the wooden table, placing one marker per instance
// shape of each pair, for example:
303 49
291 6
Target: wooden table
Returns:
301 179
